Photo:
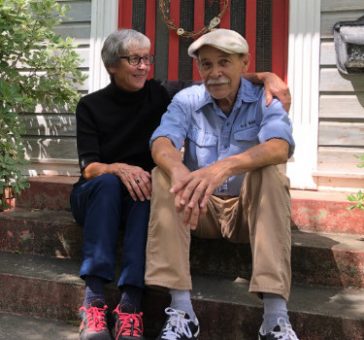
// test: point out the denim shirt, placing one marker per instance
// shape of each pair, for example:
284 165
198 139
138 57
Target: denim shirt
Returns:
194 120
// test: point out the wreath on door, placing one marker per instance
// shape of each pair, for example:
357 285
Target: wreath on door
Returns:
164 7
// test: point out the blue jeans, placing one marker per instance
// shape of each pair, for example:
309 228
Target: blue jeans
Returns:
102 206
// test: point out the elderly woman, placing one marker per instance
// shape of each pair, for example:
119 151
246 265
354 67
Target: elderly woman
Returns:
113 130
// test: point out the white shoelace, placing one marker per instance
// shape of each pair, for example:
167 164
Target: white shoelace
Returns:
286 332
176 326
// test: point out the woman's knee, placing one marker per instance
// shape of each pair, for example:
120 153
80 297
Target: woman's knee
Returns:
107 180
107 184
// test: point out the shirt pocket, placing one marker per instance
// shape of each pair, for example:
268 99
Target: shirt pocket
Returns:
246 138
202 148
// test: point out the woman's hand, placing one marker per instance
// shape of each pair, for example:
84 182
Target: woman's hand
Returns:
136 180
276 87
273 86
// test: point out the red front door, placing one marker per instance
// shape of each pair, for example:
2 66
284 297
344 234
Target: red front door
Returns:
264 23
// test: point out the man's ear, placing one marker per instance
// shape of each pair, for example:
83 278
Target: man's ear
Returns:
198 64
246 62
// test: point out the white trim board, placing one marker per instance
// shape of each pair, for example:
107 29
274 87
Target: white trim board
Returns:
303 80
104 20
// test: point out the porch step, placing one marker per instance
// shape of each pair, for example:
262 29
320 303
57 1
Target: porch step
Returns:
40 250
319 258
48 287
16 326
311 210
44 232
326 212
47 192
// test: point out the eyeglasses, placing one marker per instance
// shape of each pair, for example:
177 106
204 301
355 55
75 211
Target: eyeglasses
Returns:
135 60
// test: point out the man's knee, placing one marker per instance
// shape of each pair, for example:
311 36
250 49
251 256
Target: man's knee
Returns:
268 175
160 180
266 171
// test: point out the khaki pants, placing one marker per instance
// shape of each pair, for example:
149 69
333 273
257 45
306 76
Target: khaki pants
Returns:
260 215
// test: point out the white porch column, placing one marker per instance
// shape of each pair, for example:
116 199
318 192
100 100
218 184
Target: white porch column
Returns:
303 80
104 20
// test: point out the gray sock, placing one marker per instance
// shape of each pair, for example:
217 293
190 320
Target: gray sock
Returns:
274 307
181 300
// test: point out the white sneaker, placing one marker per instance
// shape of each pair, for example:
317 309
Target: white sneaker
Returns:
179 326
283 331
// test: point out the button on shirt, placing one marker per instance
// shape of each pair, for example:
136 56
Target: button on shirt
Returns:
194 120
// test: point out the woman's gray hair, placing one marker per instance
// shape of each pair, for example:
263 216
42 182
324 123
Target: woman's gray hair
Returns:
118 43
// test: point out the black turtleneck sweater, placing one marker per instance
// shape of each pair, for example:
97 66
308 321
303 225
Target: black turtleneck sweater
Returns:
115 126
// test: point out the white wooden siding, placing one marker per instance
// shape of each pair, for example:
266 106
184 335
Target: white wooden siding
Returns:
340 159
79 11
329 19
332 81
341 107
61 125
52 148
50 139
341 134
80 32
340 5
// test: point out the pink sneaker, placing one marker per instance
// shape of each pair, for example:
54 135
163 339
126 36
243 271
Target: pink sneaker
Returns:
127 326
94 322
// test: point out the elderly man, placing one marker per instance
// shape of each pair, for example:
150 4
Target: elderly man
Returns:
226 184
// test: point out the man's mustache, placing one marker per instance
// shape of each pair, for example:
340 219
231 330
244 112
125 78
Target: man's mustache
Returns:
220 81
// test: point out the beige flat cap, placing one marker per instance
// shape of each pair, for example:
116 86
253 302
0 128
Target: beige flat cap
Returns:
223 39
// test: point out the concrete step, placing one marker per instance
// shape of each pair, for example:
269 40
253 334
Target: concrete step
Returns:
16 326
44 232
47 192
311 210
320 258
46 287
20 326
317 258
325 212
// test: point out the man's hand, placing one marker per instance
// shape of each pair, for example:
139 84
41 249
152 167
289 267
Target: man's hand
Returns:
194 189
178 178
276 87
190 215
136 180
169 159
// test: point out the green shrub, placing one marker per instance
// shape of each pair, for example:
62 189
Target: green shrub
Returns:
37 67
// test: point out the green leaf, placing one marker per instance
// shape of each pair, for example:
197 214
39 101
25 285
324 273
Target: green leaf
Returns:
36 67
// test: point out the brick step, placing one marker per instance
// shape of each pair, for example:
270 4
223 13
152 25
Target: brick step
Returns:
15 327
311 210
319 258
51 287
326 212
43 232
47 192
